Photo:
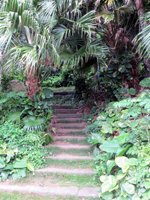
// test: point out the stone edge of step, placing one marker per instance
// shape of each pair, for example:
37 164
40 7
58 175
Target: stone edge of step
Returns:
53 190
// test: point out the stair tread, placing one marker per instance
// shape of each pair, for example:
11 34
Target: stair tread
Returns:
66 171
52 190
68 115
63 137
76 124
63 156
64 145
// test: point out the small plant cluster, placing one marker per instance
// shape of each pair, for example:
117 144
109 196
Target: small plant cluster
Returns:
63 78
31 115
20 152
122 148
22 133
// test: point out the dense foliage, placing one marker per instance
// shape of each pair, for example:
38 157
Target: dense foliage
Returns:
16 107
121 138
22 125
20 151
101 47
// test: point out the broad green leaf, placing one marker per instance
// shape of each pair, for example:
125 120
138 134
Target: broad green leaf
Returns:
122 138
109 184
123 163
110 146
132 91
129 188
107 196
110 165
133 161
145 82
103 178
14 116
2 163
106 128
19 164
120 176
19 173
147 185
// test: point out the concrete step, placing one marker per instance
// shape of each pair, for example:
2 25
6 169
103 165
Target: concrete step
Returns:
65 145
64 106
53 190
63 116
66 131
66 111
70 137
69 120
66 171
62 156
52 150
70 125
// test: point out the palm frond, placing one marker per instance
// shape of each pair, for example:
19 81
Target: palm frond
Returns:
143 39
25 54
90 50
48 8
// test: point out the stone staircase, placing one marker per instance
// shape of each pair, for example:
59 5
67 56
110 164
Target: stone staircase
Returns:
69 172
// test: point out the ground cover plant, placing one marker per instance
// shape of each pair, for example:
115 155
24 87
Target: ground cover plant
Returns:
23 123
20 152
121 137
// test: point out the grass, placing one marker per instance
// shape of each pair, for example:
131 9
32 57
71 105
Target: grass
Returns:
19 196
46 180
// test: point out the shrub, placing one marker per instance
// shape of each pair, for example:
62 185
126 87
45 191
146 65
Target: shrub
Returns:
20 152
122 148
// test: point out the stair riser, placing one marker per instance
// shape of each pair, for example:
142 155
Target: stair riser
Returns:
69 120
66 111
69 127
70 134
64 116
69 131
70 147
81 141
73 159
82 152
77 172
63 107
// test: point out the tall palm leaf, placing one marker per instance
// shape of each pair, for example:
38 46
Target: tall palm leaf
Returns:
143 39
73 32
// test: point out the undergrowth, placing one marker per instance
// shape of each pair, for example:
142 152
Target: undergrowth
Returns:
121 138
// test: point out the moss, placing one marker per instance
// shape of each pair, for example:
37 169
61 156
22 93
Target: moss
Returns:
71 164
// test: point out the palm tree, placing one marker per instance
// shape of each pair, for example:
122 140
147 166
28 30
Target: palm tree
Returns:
73 30
23 42
143 38
143 42
62 29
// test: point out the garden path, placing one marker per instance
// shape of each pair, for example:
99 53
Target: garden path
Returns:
69 173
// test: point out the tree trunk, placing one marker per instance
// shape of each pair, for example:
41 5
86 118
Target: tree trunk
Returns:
140 10
33 84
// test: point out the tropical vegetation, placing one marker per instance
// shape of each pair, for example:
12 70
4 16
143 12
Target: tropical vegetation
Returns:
102 47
